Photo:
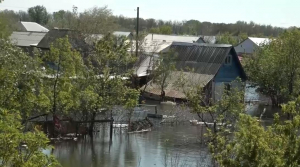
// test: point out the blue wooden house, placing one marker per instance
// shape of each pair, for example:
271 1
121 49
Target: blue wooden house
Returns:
211 65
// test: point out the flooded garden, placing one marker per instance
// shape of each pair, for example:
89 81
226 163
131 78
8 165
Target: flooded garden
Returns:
177 144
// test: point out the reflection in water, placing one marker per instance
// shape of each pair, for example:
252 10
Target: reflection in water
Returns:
149 149
165 145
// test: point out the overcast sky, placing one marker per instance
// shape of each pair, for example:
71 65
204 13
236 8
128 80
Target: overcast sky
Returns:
283 13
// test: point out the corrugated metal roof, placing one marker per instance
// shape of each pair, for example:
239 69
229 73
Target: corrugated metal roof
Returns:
173 90
33 27
202 58
75 38
146 63
259 41
26 38
171 38
121 33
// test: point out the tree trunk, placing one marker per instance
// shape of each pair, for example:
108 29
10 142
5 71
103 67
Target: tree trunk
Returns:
91 128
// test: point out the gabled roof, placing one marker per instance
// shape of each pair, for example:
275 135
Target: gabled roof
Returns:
171 38
91 38
259 41
75 38
32 27
204 60
26 39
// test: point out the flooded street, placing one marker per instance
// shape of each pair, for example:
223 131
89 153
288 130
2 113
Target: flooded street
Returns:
177 145
166 145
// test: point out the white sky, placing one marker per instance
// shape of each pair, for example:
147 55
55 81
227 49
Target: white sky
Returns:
283 13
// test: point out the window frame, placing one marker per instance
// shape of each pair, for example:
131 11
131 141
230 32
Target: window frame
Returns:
228 62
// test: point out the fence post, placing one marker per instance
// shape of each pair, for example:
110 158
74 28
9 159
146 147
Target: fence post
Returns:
111 125
111 128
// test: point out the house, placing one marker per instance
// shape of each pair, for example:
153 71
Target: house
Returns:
173 38
92 38
213 66
153 45
27 40
250 45
128 35
76 40
31 27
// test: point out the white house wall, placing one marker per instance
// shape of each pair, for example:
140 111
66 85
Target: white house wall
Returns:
247 47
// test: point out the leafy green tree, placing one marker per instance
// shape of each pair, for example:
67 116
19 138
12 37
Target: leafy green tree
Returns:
278 66
21 84
39 14
167 30
21 149
64 66
223 112
226 38
163 69
97 20
108 71
154 31
251 144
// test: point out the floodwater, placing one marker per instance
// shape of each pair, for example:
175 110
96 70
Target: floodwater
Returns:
167 145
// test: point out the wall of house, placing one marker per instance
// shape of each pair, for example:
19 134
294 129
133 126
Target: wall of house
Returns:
247 47
227 74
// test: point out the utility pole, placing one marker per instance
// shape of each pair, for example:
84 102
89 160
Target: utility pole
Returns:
137 32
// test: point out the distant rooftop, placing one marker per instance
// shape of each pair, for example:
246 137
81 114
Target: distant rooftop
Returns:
259 41
122 33
32 27
171 38
27 39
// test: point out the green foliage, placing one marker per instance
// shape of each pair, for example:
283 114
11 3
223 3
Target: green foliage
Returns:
227 38
39 14
163 69
21 84
278 66
110 64
167 30
21 149
251 144
64 65
224 111
5 31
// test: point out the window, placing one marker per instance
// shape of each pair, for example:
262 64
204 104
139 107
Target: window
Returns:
228 60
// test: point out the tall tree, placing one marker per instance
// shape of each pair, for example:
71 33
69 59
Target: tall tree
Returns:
108 74
97 20
39 14
163 68
63 66
278 66
227 38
